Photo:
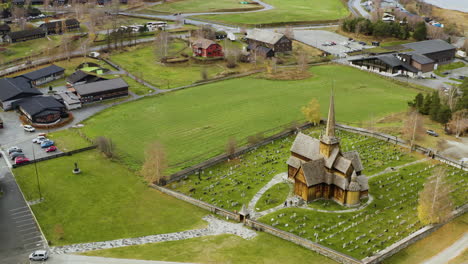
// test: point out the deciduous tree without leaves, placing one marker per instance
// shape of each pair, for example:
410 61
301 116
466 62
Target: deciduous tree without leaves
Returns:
155 164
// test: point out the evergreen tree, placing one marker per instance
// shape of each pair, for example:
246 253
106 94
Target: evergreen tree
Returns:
463 100
419 101
435 106
426 105
420 31
444 114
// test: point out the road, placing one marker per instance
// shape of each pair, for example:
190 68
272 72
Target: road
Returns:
19 233
451 252
76 259
356 8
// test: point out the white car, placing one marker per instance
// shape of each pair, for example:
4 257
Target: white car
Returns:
39 139
39 255
29 128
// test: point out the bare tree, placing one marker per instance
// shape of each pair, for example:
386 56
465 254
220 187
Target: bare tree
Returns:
459 122
106 146
465 45
436 33
65 46
312 111
153 170
413 128
435 204
289 32
302 61
161 44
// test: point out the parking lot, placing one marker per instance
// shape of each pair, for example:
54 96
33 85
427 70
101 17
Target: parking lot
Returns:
317 38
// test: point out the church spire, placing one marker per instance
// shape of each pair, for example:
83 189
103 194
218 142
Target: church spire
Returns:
330 132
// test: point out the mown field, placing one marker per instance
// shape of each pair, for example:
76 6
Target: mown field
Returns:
287 11
195 124
106 201
195 6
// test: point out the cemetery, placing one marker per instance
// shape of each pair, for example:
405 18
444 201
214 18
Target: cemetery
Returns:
389 214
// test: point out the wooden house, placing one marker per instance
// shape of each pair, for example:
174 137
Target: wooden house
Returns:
24 35
321 171
57 27
45 75
101 90
276 41
4 29
202 47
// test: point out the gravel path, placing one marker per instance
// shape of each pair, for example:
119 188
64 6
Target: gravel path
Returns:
451 252
282 177
77 259
215 227
393 169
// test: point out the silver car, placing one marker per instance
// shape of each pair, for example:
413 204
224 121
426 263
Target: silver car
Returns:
39 255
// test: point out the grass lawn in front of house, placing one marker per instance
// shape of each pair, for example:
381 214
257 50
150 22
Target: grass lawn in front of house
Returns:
448 67
273 197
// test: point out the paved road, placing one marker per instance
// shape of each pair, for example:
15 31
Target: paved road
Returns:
357 7
451 252
19 234
76 259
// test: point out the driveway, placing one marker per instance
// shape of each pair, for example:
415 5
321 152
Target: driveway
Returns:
19 234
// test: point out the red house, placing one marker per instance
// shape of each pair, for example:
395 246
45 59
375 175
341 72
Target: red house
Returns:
206 48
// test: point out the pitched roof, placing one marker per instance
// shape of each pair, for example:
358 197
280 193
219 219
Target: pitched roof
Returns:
342 164
100 86
363 182
37 104
429 46
202 43
80 76
355 160
44 72
314 172
265 36
294 162
26 33
420 58
54 24
13 87
306 146
4 27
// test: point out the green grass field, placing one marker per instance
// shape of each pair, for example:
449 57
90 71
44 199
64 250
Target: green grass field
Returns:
447 67
106 201
194 6
195 124
287 11
273 197
28 48
220 249
68 140
143 63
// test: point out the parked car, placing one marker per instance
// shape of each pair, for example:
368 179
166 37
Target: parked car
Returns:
333 43
29 128
39 139
47 143
326 44
51 149
362 43
14 149
14 155
39 255
432 133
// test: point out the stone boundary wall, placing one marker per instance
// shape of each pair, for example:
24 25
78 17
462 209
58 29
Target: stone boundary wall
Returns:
333 254
414 237
196 202
69 153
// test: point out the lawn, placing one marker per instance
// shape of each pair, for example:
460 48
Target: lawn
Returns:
273 197
106 201
231 184
143 63
137 87
433 244
231 249
448 67
68 140
288 12
194 6
194 124
28 48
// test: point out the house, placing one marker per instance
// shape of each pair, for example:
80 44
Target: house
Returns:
276 41
56 27
4 29
80 77
45 75
206 48
70 100
41 109
101 90
419 58
320 170
262 51
24 35
12 89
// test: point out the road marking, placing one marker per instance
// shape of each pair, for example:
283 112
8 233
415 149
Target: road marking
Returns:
30 219
22 216
32 238
18 208
36 243
34 223
29 228
32 233
20 212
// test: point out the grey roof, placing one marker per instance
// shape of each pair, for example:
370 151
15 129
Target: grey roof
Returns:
80 76
265 36
363 182
261 50
391 60
341 182
101 86
26 33
37 104
355 160
306 146
342 164
202 43
354 185
44 72
429 46
420 58
294 162
331 160
14 88
54 24
314 172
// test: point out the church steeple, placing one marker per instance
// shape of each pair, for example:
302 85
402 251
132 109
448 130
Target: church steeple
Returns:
329 141
330 132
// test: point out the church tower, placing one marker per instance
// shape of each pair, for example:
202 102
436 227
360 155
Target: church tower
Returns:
329 141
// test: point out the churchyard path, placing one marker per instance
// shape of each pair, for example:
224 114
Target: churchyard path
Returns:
393 169
282 177
215 227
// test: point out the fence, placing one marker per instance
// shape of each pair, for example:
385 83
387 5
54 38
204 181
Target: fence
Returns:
69 153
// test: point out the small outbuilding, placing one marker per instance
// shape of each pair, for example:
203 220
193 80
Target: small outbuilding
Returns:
45 75
41 109
101 90
80 77
276 41
202 47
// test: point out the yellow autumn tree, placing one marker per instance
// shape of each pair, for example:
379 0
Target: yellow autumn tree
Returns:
312 111
155 164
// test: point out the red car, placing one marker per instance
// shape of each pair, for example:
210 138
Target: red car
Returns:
21 159
51 149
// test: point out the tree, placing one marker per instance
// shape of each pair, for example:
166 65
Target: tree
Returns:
435 205
413 128
312 111
427 104
420 31
155 164
459 122
418 102
231 146
161 44
289 32
444 114
435 106
463 100
106 146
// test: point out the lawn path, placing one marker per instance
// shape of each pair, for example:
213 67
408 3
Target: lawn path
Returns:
451 252
282 177
215 227
393 169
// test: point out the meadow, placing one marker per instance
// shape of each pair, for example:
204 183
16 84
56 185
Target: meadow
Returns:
195 124
194 6
287 12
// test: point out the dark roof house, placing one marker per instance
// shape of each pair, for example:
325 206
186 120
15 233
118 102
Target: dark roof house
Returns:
12 89
24 35
101 90
45 75
55 27
4 29
40 109
276 41
83 77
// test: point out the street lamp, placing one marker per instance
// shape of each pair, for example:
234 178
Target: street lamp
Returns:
37 174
